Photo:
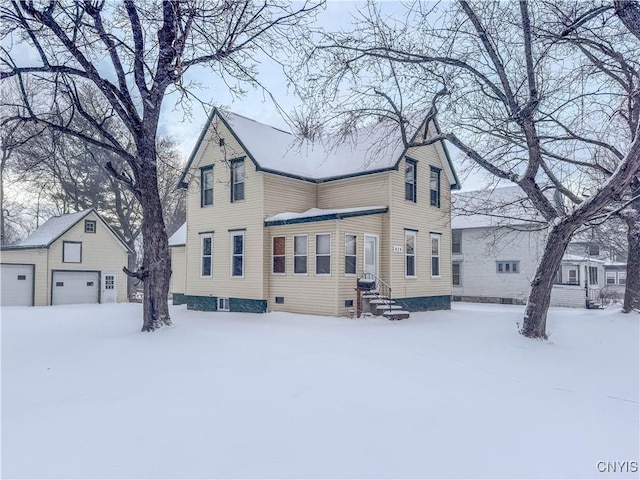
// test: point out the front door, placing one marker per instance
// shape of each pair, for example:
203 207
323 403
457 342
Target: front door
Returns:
109 288
371 254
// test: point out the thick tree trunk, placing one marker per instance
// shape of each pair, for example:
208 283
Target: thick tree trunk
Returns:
156 263
535 316
632 288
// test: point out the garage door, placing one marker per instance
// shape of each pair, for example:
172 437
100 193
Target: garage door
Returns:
75 287
17 285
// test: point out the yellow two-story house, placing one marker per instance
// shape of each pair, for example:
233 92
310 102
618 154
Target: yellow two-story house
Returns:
278 225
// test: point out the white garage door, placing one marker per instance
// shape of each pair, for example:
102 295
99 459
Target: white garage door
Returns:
17 285
75 287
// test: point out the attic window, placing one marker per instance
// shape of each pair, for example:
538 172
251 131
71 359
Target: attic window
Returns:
237 180
89 226
594 249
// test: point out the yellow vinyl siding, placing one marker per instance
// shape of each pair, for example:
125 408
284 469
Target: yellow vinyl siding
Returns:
101 251
426 219
38 258
178 273
283 194
360 191
221 217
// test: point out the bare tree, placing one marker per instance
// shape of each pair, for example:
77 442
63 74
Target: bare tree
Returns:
134 53
514 99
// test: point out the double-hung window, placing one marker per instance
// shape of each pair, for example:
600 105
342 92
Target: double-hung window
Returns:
611 278
456 241
206 246
350 255
434 186
300 254
410 180
410 237
279 259
435 254
323 254
593 275
456 269
206 186
622 278
237 254
237 180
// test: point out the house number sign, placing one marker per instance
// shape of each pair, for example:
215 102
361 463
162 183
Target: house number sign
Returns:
398 249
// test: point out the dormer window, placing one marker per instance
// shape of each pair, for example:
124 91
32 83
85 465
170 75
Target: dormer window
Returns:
237 180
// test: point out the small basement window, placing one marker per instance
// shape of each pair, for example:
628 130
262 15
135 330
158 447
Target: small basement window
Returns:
348 303
279 299
223 304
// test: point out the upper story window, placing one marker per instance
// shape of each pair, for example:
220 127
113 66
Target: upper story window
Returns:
300 254
410 238
237 180
206 242
435 254
350 256
323 254
594 249
434 186
206 186
514 267
410 180
456 241
89 226
279 263
237 254
72 252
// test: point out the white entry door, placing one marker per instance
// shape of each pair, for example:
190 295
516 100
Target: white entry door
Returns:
109 288
371 254
75 287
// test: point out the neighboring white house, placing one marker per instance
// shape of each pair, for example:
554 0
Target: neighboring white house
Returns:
275 225
177 245
74 258
497 242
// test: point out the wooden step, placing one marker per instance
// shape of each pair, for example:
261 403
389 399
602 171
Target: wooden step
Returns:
381 301
396 314
389 306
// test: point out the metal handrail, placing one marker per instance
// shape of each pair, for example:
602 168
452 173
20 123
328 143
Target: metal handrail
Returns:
383 288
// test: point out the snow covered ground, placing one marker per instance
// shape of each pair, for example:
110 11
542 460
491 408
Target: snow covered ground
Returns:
440 395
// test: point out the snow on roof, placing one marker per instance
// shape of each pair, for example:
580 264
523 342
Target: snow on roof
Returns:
504 206
372 148
179 238
52 229
321 212
569 257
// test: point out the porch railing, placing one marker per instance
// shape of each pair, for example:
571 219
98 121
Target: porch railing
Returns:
384 290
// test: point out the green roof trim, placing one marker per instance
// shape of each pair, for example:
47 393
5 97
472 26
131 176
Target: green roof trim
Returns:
323 218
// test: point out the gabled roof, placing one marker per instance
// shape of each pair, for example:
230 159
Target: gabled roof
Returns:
179 238
55 227
373 149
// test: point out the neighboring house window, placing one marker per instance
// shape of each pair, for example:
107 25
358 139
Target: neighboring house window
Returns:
300 254
237 254
434 187
206 186
456 241
435 254
594 249
206 243
622 278
410 253
611 278
511 267
323 254
350 256
279 259
237 180
89 226
410 180
72 252
456 268
593 275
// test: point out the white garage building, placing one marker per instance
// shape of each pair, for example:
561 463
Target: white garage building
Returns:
74 258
